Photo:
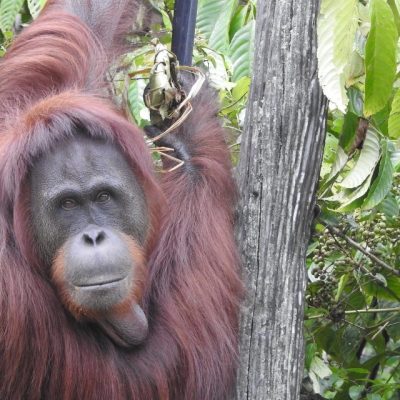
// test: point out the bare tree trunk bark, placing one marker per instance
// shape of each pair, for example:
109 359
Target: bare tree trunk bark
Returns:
279 167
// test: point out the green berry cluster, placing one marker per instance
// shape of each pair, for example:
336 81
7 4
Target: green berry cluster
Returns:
376 232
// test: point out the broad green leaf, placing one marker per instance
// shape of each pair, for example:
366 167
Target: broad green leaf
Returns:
380 57
395 10
310 354
342 284
329 217
383 182
217 71
242 88
358 370
239 20
337 26
381 279
390 207
339 164
369 157
354 69
241 51
356 101
396 160
136 104
166 19
330 151
219 38
349 343
349 130
320 368
351 198
380 119
391 290
362 32
35 6
8 12
394 118
355 391
207 13
373 396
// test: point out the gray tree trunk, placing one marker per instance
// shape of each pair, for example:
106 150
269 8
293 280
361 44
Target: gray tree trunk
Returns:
279 167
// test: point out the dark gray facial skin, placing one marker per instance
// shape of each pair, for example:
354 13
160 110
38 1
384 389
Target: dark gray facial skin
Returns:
84 199
102 187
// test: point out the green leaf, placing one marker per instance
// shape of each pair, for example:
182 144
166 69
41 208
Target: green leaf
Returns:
380 57
389 289
355 69
355 391
349 130
394 118
137 107
383 182
342 284
351 198
389 207
373 396
381 279
166 19
8 12
380 119
393 327
339 164
320 368
330 151
241 51
208 12
356 101
35 6
395 10
242 88
337 26
365 164
325 338
358 370
239 20
219 38
350 338
310 354
395 157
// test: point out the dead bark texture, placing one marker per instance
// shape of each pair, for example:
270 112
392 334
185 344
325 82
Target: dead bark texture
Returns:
278 172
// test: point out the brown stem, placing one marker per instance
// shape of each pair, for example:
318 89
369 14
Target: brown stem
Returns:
357 246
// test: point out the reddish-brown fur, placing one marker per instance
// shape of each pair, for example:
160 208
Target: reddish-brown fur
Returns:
51 86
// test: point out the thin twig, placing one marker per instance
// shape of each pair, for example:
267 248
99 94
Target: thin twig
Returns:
373 310
363 311
379 331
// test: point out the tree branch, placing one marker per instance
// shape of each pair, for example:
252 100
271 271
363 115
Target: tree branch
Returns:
357 246
363 311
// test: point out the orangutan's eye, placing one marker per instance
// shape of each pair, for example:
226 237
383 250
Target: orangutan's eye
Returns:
103 197
69 204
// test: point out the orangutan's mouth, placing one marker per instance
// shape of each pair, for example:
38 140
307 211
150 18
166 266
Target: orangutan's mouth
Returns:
101 283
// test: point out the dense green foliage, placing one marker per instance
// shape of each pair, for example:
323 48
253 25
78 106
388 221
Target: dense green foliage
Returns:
353 297
353 313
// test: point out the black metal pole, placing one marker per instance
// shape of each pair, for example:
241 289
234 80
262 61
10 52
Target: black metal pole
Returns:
183 30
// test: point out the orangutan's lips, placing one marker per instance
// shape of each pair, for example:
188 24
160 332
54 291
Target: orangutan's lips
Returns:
108 283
